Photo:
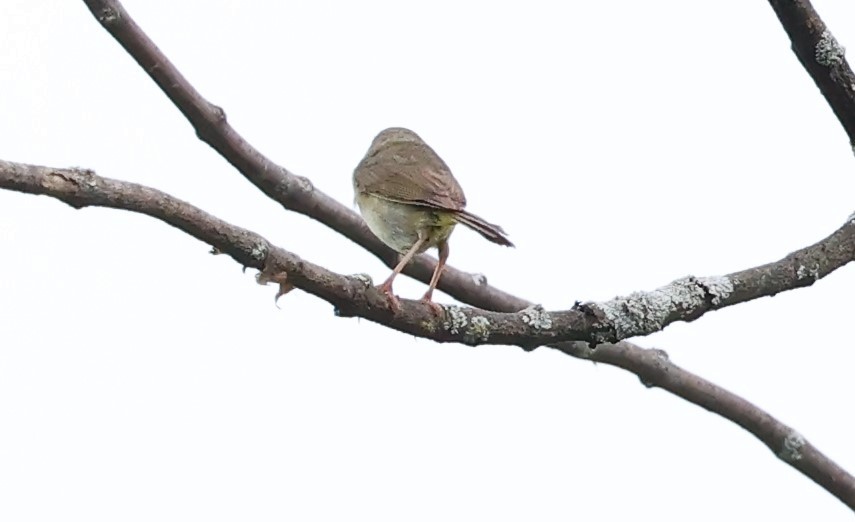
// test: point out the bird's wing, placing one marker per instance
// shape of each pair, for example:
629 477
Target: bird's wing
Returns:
410 173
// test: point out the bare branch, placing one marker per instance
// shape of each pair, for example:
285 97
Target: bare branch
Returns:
80 188
821 56
350 295
654 369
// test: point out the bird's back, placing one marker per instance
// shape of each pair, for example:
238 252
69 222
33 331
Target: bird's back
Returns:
408 171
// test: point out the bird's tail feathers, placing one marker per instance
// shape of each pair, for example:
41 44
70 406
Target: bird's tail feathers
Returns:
490 231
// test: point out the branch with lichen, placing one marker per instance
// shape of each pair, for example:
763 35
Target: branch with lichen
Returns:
686 299
640 313
354 295
350 295
822 57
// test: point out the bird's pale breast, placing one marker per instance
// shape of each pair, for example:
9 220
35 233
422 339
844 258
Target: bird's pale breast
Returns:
398 224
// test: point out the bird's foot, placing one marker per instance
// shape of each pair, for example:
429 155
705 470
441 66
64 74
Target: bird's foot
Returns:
435 307
386 289
280 278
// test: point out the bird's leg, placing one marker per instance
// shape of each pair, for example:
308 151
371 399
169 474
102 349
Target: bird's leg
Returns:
434 280
386 286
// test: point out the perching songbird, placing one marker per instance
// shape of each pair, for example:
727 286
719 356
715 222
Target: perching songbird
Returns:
411 202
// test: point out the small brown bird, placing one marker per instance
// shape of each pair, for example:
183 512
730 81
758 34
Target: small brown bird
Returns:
411 201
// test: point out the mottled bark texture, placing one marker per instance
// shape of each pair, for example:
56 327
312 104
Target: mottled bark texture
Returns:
821 56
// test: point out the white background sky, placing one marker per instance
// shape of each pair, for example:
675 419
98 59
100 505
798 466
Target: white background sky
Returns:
621 144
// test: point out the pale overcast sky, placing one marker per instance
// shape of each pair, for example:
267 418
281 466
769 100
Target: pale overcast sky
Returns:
621 144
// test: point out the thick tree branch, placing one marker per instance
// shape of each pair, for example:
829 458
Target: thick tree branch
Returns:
821 56
350 295
641 313
80 188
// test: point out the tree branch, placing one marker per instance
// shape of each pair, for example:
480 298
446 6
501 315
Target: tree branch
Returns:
80 188
641 313
654 369
821 56
350 295
687 299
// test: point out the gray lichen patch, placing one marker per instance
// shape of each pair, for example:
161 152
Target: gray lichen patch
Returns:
478 331
791 449
536 317
475 330
718 288
259 251
84 176
642 313
479 279
828 52
812 272
455 321
364 279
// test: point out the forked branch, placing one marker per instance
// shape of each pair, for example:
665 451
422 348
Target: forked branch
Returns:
638 314
80 188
